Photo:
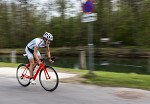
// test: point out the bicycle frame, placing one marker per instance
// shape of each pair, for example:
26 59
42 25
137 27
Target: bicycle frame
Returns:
41 67
48 77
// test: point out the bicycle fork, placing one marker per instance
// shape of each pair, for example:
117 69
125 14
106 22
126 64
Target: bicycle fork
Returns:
46 73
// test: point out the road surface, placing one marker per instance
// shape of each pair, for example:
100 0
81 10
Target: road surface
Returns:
66 93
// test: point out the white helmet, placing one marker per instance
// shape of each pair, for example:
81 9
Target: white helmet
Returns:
48 36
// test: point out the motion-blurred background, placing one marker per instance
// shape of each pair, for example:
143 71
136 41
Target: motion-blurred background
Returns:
125 24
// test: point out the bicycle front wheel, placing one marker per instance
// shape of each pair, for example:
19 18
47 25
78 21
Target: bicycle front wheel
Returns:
48 78
23 75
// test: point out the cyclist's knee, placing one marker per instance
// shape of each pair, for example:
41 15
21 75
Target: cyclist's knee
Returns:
31 61
31 64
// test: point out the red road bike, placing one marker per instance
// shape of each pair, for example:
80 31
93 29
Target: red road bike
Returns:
48 77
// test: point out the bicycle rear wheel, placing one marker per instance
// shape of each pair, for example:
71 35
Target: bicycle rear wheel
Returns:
23 75
48 78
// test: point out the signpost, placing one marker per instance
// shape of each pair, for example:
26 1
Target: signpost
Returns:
88 16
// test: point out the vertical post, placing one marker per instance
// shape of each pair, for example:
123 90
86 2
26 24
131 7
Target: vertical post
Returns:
82 59
13 56
89 17
148 68
90 47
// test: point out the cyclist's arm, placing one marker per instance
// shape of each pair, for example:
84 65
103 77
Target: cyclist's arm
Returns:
35 54
48 52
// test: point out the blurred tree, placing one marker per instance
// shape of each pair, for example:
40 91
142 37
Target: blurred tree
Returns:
143 37
123 20
127 21
61 8
25 25
66 26
102 27
4 26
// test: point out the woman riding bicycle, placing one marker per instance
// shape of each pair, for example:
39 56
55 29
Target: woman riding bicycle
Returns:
33 52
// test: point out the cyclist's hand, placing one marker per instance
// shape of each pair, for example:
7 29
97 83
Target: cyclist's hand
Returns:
39 62
51 60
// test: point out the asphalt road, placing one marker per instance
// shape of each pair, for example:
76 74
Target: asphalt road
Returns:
66 93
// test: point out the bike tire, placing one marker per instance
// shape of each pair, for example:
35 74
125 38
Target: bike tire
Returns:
22 80
49 84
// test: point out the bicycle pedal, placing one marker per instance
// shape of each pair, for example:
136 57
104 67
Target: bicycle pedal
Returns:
21 77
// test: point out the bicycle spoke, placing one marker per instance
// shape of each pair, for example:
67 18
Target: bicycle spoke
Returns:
49 79
23 75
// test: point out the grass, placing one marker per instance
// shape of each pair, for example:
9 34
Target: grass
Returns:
102 78
4 64
130 80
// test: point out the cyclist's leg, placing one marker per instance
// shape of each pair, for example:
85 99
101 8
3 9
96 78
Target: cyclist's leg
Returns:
35 63
31 60
31 68
38 54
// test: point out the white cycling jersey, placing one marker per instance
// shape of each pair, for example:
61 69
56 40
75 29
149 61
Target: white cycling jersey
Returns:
37 42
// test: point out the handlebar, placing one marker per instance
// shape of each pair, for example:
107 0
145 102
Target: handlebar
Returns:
52 58
42 59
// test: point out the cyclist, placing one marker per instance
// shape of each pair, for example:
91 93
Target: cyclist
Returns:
33 52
